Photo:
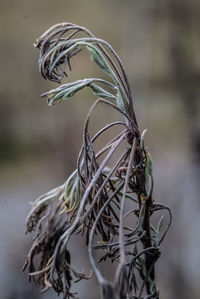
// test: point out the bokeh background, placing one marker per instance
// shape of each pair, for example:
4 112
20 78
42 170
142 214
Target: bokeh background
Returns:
159 43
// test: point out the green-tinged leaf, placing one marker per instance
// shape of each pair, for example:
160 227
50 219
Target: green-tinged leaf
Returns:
71 195
99 59
148 175
148 184
153 287
149 164
135 251
60 92
70 181
102 93
71 91
143 268
74 89
142 139
59 95
153 228
66 91
159 228
120 102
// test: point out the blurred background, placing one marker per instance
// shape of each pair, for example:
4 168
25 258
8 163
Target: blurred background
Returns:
159 43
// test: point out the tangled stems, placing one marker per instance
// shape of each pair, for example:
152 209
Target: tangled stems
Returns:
110 203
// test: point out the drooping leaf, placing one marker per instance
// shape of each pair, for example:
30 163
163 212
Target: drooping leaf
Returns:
99 59
102 93
66 91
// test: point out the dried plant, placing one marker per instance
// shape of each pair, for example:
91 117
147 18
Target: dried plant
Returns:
111 205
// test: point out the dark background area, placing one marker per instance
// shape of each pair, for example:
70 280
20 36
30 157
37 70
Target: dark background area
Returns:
159 43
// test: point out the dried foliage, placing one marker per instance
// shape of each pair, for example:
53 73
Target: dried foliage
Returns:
111 206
